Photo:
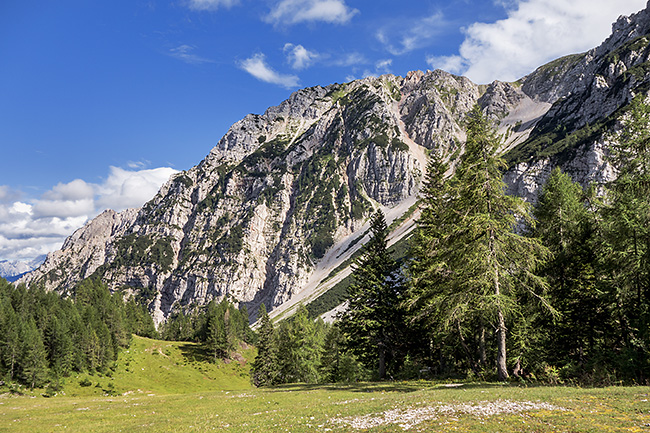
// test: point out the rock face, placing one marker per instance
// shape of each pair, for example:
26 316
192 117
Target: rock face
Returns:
254 219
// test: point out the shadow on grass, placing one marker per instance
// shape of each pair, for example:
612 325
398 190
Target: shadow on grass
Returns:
405 387
194 353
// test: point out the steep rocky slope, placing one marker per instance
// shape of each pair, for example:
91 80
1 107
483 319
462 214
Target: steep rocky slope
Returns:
284 196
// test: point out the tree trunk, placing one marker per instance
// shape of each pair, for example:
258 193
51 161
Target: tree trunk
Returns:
382 361
502 369
481 346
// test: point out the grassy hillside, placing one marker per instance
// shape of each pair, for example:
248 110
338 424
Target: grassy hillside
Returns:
164 367
388 407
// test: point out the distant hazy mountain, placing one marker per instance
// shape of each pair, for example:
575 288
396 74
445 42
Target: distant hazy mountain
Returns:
13 270
284 197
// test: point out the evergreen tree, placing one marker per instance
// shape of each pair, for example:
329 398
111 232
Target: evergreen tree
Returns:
264 370
337 363
299 342
373 319
626 252
34 357
10 338
565 226
478 265
216 338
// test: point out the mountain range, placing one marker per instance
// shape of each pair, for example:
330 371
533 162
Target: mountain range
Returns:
278 207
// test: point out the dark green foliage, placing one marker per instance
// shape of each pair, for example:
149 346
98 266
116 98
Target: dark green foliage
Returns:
184 180
469 268
338 364
220 326
44 337
373 320
264 370
565 226
137 251
626 230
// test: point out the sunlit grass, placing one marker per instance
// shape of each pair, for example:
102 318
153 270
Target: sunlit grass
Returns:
305 408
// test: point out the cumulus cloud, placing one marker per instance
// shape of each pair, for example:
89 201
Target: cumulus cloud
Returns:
287 12
127 189
403 36
184 53
257 67
31 228
535 32
299 57
211 5
452 64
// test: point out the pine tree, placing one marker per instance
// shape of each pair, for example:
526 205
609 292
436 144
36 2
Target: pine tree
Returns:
264 370
478 264
373 319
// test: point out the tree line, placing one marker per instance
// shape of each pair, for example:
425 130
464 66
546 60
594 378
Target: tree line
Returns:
44 337
493 288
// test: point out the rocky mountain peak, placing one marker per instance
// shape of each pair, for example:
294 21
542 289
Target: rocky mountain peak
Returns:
284 197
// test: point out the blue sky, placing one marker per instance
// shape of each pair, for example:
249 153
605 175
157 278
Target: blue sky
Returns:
100 101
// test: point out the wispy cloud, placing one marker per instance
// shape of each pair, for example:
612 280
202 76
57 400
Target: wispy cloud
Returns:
288 12
211 5
184 53
381 67
402 36
29 228
535 32
349 59
299 57
257 67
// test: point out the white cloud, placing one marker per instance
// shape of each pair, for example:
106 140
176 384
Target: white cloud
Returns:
211 5
129 189
403 36
535 32
30 229
75 190
381 67
184 53
452 64
287 12
257 67
299 57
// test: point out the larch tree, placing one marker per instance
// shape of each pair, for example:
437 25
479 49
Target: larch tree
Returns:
475 265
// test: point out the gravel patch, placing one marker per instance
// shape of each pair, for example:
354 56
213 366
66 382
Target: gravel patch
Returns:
407 418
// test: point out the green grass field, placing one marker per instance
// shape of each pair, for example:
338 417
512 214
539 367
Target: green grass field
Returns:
167 387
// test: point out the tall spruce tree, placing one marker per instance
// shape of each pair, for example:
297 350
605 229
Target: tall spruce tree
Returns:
475 265
374 318
264 370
